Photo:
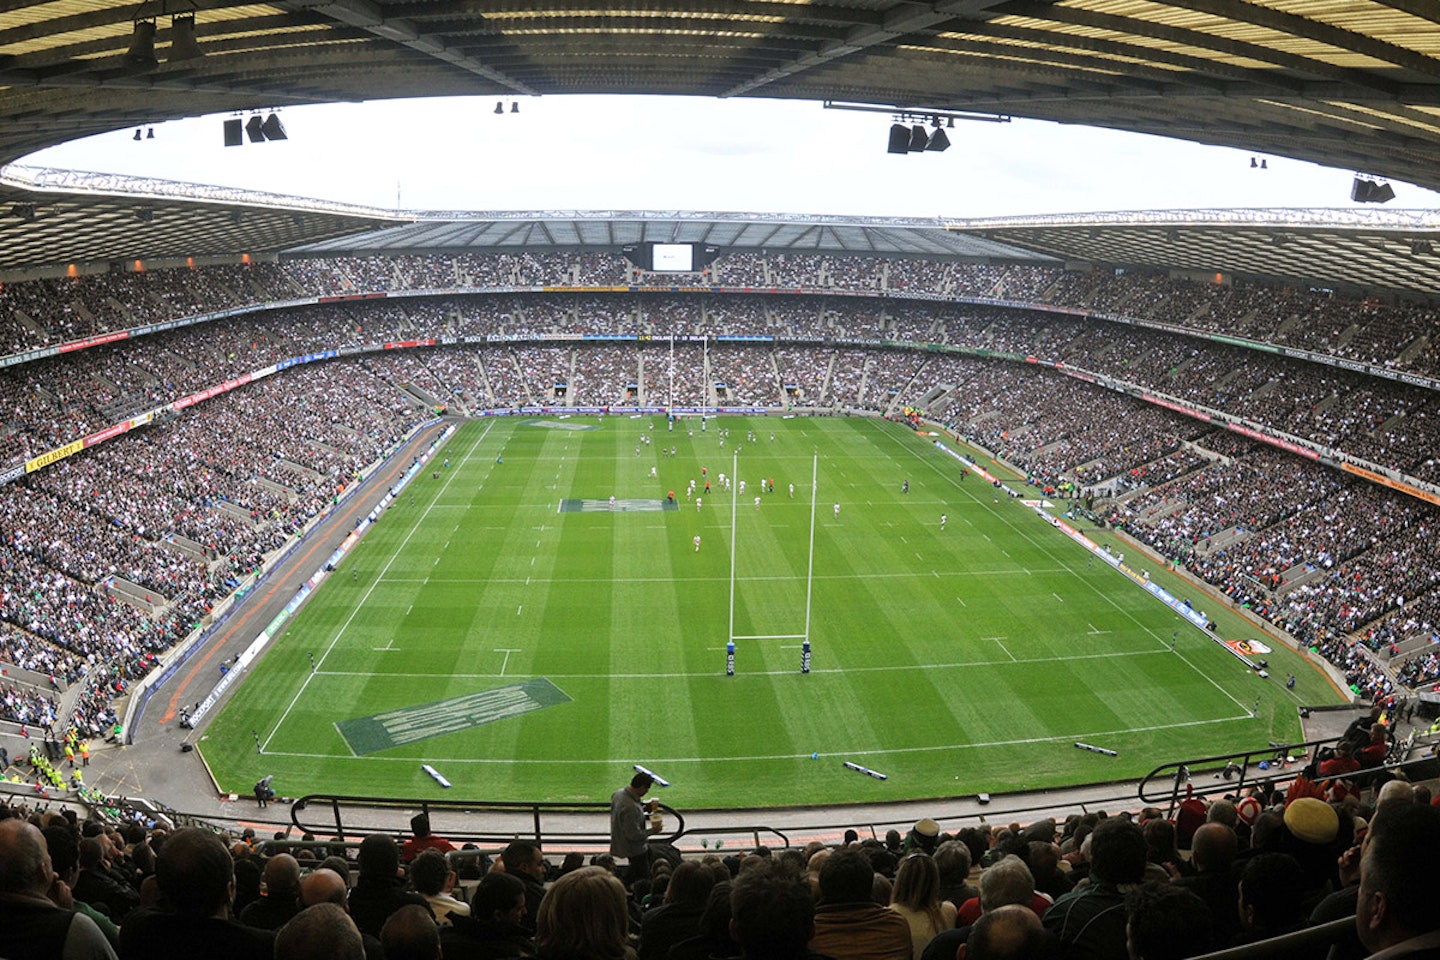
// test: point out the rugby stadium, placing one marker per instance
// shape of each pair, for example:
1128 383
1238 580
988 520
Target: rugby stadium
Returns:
321 516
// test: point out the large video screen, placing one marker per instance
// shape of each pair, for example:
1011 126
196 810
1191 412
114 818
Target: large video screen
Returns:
673 257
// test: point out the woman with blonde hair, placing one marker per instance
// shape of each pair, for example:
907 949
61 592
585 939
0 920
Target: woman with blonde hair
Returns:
916 897
584 916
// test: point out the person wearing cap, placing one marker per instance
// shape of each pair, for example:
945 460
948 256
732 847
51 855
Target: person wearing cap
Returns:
924 837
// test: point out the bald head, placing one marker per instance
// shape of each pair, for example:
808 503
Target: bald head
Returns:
1004 933
1213 847
24 862
321 932
282 877
323 886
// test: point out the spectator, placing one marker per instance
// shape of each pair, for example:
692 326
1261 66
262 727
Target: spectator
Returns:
953 859
35 927
1008 933
423 839
434 880
380 889
849 924
97 887
1212 852
916 897
772 916
524 861
410 934
494 928
281 899
628 831
197 878
1396 914
323 931
1272 899
1090 920
678 917
583 917
1167 923
326 885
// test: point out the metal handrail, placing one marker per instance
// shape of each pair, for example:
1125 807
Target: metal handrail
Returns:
534 812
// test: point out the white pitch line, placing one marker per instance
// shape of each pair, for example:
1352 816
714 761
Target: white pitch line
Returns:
1067 738
361 605
1058 597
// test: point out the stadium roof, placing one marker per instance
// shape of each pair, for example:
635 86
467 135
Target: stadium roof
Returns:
49 218
498 232
1349 83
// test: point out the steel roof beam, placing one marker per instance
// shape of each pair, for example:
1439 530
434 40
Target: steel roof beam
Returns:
369 17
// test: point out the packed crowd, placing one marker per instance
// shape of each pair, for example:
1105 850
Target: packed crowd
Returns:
184 510
1339 840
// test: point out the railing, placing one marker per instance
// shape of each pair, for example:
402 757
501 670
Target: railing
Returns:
564 823
1279 763
1314 939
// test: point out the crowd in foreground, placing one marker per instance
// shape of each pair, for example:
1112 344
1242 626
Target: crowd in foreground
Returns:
1139 885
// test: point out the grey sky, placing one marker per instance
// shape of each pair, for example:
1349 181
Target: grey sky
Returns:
662 153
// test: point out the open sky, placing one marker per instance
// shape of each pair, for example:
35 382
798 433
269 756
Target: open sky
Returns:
673 153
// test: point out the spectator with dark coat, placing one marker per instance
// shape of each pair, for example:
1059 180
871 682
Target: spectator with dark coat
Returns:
197 878
1090 920
380 889
678 917
1212 852
281 899
98 887
524 861
494 929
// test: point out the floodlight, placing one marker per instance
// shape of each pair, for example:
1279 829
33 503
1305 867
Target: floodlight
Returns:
919 139
938 141
182 39
142 46
150 133
515 107
273 128
1366 190
1254 164
899 139
234 132
137 134
253 131
499 107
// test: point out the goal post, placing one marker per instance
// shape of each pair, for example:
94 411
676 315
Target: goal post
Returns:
810 554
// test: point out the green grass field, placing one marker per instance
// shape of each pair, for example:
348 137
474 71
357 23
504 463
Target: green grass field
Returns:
561 647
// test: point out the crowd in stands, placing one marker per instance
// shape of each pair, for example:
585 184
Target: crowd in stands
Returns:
183 510
1340 840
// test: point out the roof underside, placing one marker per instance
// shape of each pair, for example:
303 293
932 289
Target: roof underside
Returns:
776 233
1341 82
